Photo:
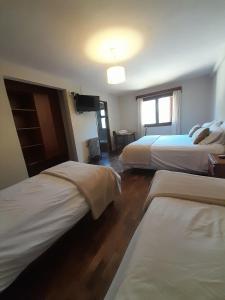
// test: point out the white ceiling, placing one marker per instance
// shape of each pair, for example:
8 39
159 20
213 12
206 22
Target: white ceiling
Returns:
177 37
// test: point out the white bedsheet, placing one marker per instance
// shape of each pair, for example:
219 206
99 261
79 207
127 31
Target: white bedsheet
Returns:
45 205
170 152
174 255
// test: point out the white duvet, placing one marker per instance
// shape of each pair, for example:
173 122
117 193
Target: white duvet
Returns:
33 215
178 250
170 152
174 255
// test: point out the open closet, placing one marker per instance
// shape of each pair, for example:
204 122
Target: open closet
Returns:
39 124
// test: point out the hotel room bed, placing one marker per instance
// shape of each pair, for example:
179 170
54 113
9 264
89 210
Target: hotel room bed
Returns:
178 250
170 152
34 213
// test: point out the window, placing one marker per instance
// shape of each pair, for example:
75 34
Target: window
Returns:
102 112
157 111
102 115
103 123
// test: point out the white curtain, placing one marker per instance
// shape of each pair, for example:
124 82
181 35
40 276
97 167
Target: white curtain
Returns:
176 108
141 129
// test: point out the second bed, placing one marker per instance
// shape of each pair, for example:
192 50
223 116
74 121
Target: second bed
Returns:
170 152
35 212
177 252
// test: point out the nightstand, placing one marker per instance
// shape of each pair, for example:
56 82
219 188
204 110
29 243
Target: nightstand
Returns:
121 140
216 166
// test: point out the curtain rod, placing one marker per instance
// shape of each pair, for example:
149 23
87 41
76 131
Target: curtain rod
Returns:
177 88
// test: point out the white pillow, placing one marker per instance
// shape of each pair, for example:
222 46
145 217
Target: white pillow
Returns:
208 124
193 129
215 136
221 140
215 126
212 123
223 125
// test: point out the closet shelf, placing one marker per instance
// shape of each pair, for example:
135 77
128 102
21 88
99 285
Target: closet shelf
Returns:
28 128
32 146
34 163
24 109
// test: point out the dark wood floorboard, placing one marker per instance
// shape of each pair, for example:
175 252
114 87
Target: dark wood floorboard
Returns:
82 264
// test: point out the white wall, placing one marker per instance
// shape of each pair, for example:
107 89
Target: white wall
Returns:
84 125
196 107
219 92
12 165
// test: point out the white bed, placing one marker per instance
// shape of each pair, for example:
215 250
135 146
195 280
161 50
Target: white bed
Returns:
178 250
37 211
43 208
170 152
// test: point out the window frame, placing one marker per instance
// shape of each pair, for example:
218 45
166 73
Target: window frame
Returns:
102 117
156 98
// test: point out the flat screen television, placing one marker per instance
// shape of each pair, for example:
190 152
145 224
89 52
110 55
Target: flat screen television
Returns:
87 103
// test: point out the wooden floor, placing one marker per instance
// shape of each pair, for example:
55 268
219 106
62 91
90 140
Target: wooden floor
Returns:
81 265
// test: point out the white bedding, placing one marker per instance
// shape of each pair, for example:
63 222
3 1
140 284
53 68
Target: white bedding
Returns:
177 253
33 214
170 152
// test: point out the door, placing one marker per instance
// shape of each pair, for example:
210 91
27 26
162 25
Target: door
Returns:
46 121
103 128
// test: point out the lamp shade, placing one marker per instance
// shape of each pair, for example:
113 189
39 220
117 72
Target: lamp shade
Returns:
116 75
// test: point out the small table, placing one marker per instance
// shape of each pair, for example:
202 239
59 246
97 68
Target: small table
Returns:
216 167
121 140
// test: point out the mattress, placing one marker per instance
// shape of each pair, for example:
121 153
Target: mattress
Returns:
171 152
174 255
33 215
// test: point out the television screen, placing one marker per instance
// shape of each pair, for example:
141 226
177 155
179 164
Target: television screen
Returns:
87 103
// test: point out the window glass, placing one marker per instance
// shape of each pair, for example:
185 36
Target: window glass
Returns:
103 122
102 112
164 110
148 112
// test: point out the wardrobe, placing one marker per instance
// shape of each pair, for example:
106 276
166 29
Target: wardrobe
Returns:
38 120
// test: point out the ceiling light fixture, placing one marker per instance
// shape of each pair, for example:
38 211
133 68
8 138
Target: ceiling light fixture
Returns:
115 74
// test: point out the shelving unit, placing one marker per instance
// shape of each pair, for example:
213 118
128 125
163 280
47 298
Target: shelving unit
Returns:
39 125
27 124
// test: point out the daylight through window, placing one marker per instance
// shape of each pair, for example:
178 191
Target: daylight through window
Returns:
157 112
